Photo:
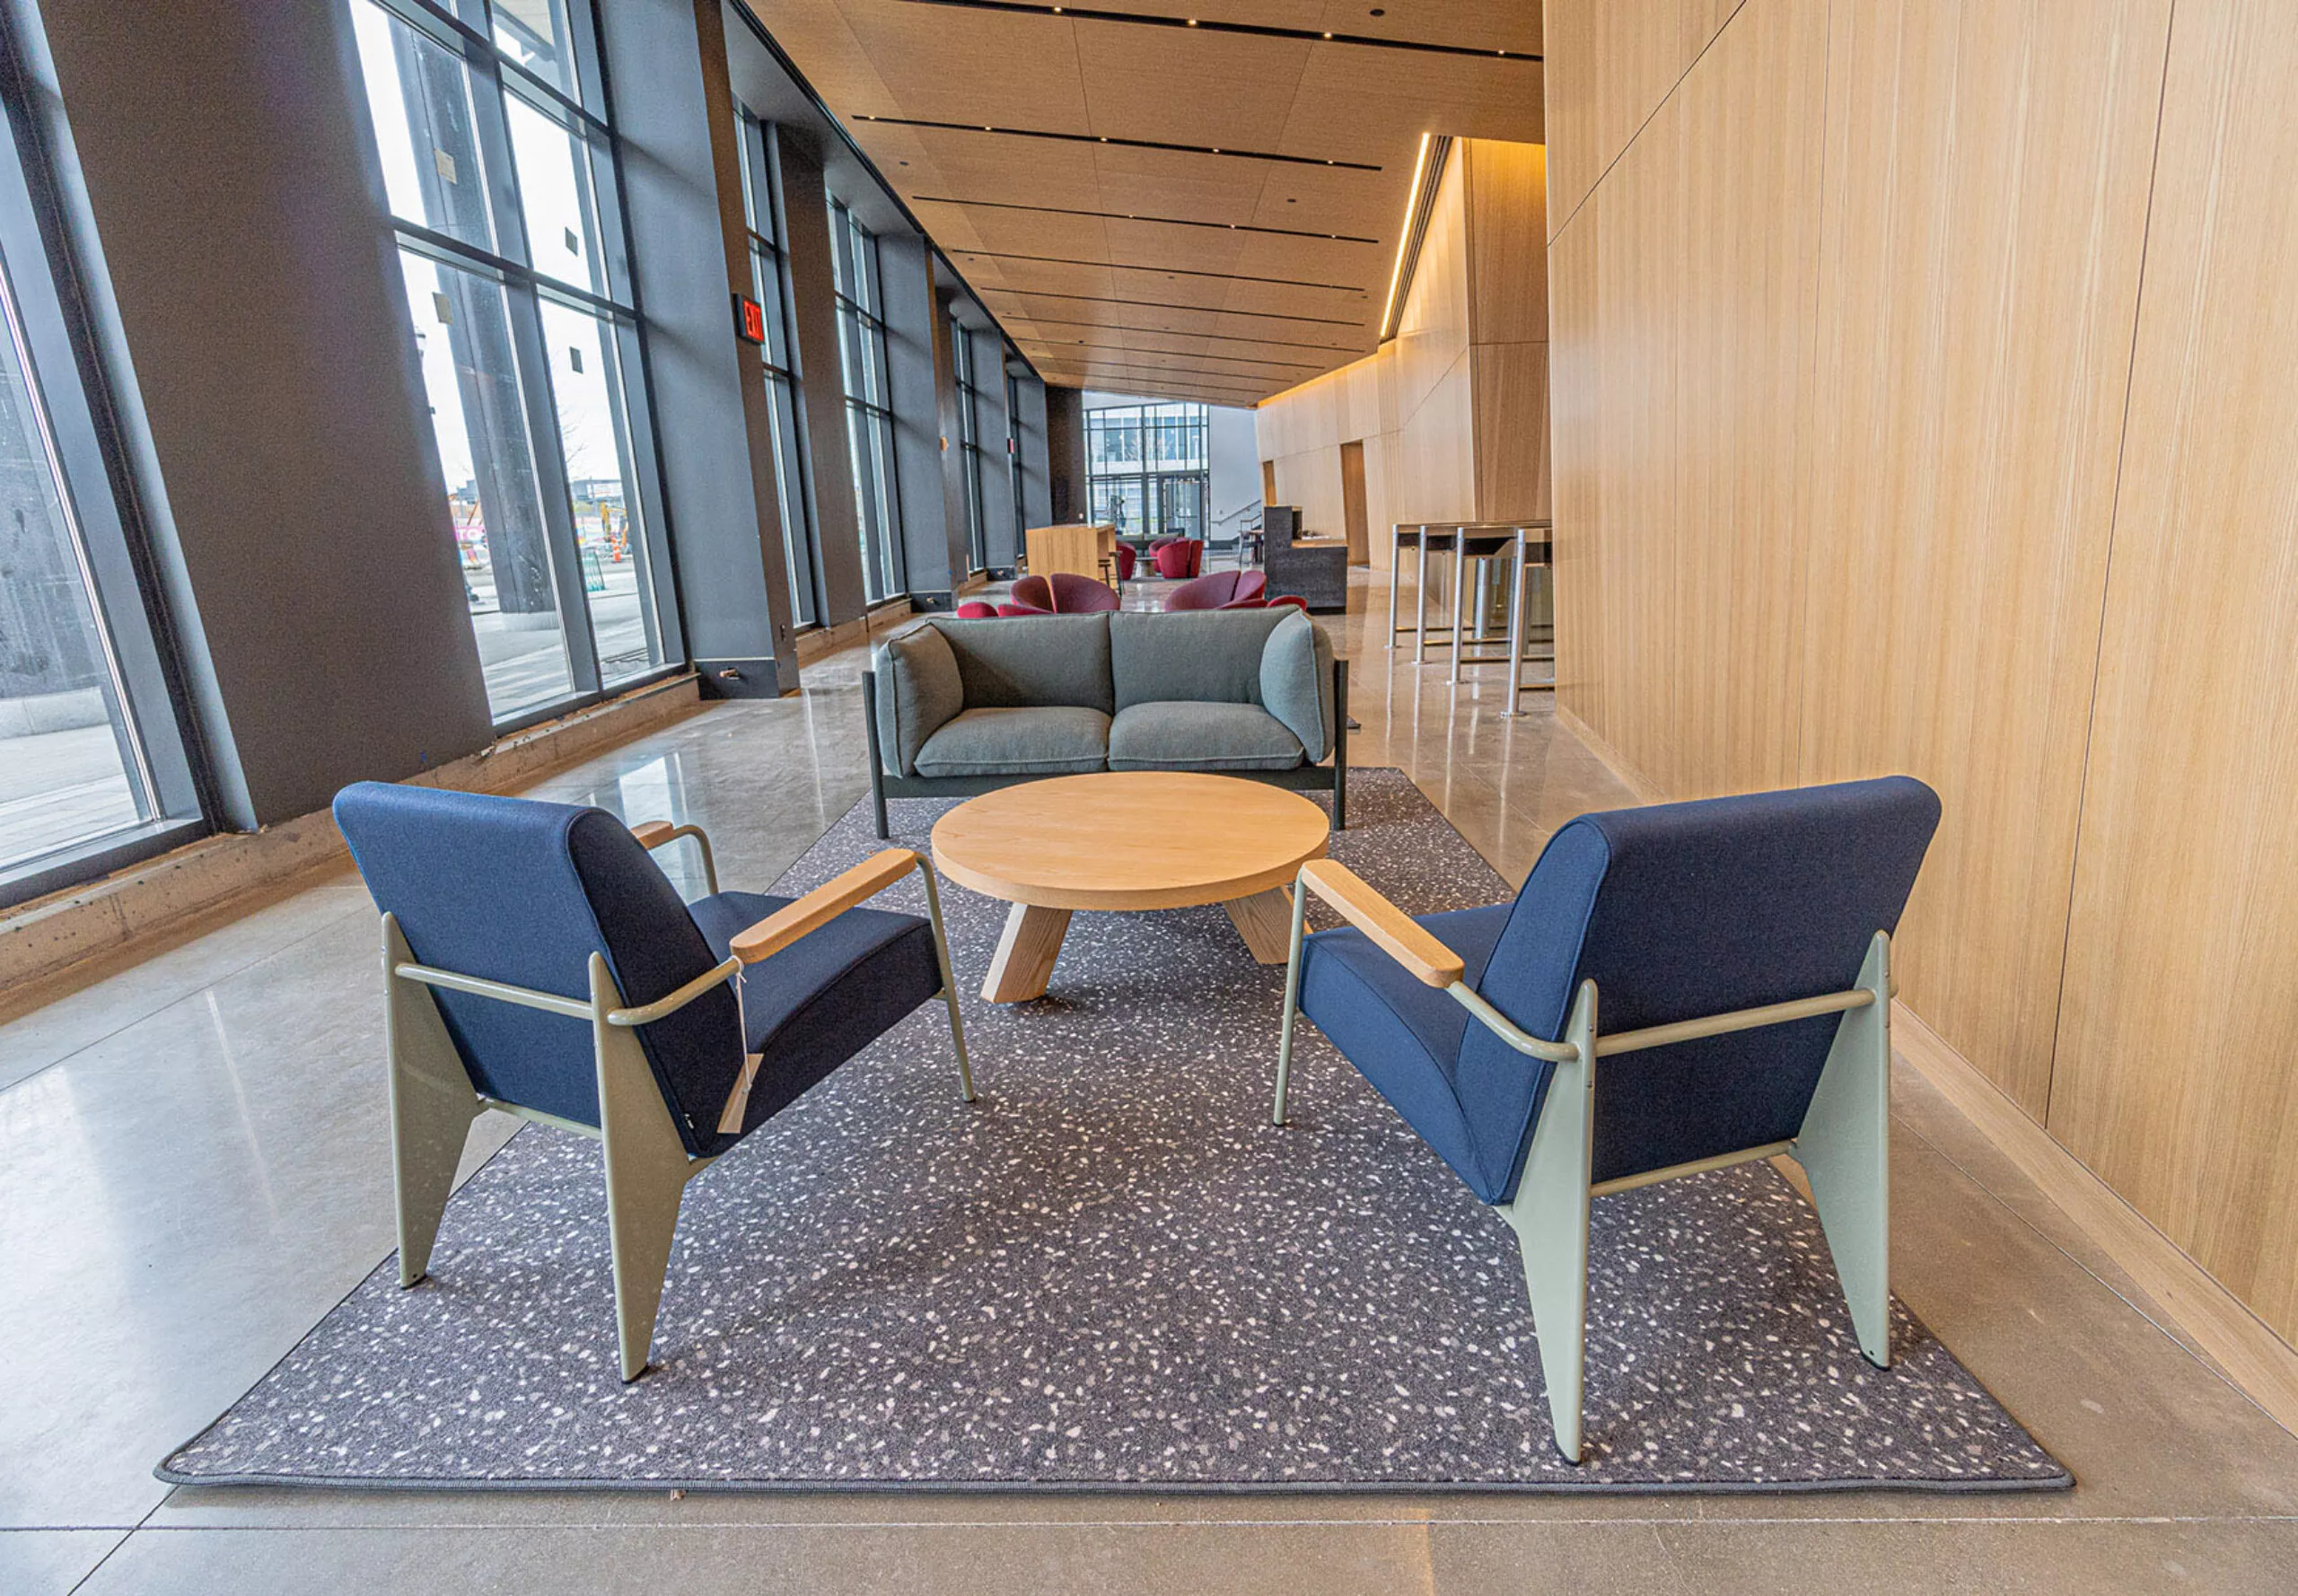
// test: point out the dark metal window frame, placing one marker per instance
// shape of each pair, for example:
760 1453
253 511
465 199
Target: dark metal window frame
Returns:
861 347
762 204
1147 469
526 288
65 367
961 365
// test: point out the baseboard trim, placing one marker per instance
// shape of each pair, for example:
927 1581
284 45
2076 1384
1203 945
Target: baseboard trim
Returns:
53 944
1647 790
2246 1349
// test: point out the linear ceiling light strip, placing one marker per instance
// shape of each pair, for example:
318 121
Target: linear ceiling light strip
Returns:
1183 332
1126 143
1170 271
1158 304
1291 365
1294 365
1427 174
1085 13
1054 210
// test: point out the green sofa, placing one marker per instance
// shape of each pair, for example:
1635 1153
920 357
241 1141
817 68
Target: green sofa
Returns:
958 707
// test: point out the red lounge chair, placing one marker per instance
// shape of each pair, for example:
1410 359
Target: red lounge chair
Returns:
1178 559
1220 590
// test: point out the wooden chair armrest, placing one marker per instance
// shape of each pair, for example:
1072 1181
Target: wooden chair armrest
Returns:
653 834
1391 929
824 904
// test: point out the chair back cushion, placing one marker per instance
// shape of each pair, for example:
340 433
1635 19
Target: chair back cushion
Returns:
1680 910
510 889
1206 656
1296 680
1208 592
919 692
1081 595
1033 662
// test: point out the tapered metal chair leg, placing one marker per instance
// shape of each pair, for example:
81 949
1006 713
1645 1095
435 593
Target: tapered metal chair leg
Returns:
432 1108
1291 1003
949 982
1550 1214
646 1172
1845 1149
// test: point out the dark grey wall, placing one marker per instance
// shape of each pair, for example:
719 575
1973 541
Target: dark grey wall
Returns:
1065 453
950 467
1036 481
666 68
905 273
232 179
813 315
996 467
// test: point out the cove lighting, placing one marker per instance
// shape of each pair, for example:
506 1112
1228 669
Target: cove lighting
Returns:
1404 237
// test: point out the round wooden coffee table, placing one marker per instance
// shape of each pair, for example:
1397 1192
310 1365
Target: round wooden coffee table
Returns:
1127 839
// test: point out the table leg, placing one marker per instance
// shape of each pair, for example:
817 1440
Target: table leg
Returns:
1516 607
1026 950
1265 920
1420 600
1396 566
1460 597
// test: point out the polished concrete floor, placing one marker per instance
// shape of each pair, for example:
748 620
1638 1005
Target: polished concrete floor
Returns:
193 1170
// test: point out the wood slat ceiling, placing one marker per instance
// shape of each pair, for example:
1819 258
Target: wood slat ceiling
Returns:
1176 273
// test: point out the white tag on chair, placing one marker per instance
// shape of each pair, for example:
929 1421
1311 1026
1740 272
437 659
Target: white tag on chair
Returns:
730 1122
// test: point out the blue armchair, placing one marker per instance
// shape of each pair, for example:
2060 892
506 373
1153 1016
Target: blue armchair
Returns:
536 961
1742 951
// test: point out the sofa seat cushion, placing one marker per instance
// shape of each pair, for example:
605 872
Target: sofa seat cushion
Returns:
1195 736
1018 742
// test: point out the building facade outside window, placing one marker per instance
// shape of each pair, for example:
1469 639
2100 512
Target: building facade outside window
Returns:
498 163
969 443
770 286
869 412
1148 469
94 769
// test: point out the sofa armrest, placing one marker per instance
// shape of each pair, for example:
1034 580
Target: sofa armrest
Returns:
919 692
1296 683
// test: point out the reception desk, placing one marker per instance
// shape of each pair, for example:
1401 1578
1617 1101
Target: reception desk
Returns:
1080 547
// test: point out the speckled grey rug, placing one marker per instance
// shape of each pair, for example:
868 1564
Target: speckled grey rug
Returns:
1110 1272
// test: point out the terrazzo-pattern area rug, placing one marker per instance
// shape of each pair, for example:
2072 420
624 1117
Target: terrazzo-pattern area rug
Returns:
1111 1271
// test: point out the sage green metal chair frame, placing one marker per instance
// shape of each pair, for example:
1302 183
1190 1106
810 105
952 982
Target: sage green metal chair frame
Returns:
1843 1146
646 1163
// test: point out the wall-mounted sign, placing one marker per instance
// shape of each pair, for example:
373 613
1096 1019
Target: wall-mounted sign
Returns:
750 320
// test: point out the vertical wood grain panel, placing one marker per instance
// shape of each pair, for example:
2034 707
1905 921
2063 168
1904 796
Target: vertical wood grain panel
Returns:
2177 1077
1987 175
1610 65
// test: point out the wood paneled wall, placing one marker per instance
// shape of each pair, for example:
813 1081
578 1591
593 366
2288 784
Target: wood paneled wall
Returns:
1923 402
1453 411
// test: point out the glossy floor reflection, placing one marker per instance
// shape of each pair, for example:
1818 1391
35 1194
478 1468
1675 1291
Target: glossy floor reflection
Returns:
193 1168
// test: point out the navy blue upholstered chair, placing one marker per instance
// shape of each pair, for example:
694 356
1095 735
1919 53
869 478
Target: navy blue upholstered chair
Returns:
536 961
1741 949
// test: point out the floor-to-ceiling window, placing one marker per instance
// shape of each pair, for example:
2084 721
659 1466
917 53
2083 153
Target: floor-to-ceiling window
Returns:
1148 469
93 771
869 413
969 442
498 163
770 285
1014 457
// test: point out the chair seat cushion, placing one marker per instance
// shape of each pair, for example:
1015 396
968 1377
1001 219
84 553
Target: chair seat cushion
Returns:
1402 1035
1169 736
822 999
1006 742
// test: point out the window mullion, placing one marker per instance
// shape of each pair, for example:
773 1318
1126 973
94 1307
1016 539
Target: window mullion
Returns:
550 481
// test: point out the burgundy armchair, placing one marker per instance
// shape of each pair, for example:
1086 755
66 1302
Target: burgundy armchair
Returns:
1064 592
1220 590
1178 558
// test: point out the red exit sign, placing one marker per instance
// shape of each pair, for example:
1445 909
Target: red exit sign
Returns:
750 320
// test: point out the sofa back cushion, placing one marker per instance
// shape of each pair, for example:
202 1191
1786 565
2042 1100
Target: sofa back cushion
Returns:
1206 656
1033 662
1296 680
919 692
